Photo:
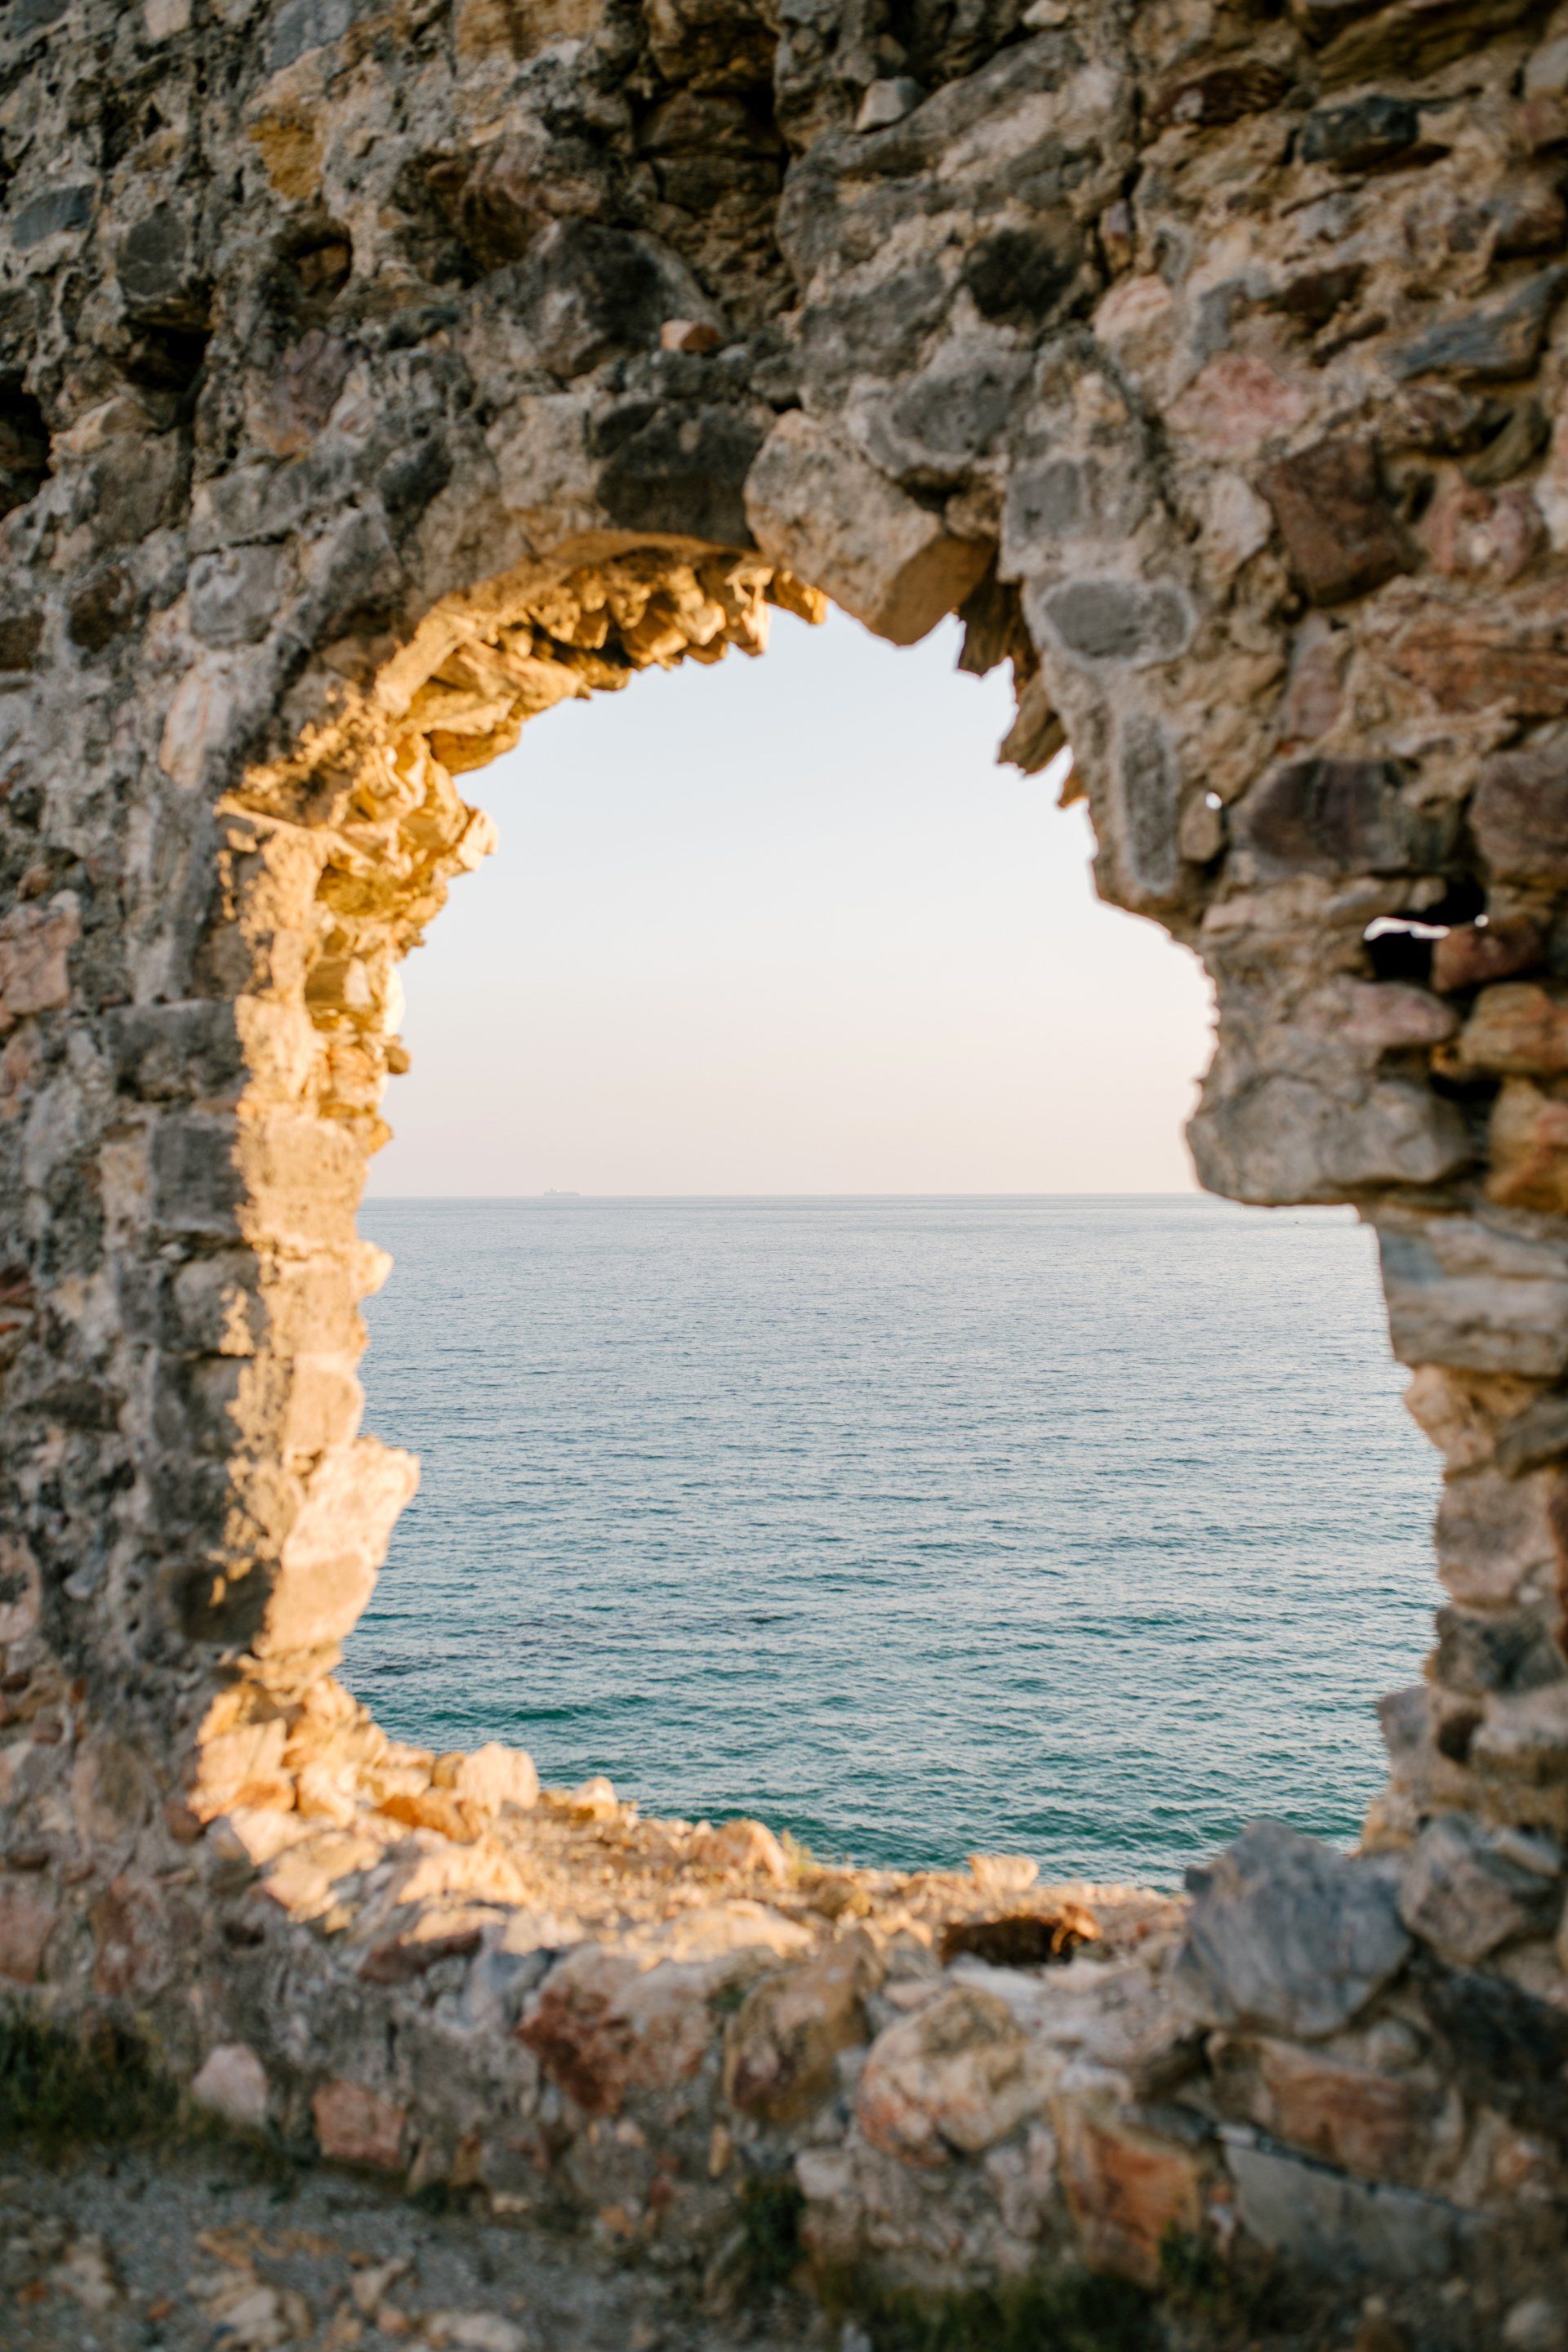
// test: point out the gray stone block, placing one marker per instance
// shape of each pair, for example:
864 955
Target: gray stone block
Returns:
1323 2221
1290 1936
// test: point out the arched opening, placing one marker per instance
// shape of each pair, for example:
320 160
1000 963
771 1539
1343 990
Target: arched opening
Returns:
1084 1527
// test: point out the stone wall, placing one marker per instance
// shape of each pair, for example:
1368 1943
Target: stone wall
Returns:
374 377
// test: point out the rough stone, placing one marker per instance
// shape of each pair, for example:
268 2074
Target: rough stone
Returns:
1472 957
1339 817
1509 2048
743 1845
957 2076
490 1777
28 1915
35 943
232 2082
1463 1293
1119 621
1376 2124
824 513
1535 2324
1527 1143
1466 1895
780 2049
1289 1936
1336 2227
1520 814
1129 2189
1494 342
1522 1739
328 1563
1340 533
1533 1436
888 101
607 2022
1285 1139
356 2126
1494 1536
1480 664
1361 135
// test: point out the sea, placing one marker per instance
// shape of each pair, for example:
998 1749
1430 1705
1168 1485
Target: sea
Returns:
1088 1528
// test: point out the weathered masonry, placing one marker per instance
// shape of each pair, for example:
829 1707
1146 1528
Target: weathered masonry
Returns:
374 377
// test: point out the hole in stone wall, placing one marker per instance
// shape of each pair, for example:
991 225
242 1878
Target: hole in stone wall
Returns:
309 273
1400 947
1085 1526
23 445
167 359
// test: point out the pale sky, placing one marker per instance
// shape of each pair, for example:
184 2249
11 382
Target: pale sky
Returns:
783 926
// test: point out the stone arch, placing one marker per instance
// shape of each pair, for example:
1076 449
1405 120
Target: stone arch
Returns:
403 368
334 861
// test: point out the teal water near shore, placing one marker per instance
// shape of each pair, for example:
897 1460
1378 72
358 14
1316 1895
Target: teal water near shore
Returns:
1088 1528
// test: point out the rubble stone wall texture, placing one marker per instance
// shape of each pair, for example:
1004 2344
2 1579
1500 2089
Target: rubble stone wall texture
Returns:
374 377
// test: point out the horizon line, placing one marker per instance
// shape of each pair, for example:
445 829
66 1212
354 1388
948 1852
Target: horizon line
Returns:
566 1194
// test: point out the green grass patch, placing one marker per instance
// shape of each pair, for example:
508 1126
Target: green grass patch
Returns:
770 2224
1242 2295
60 2089
63 2092
1071 2311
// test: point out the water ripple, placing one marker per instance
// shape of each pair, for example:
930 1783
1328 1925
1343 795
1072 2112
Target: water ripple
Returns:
1083 1528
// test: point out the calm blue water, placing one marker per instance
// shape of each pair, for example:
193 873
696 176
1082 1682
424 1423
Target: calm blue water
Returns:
1081 1527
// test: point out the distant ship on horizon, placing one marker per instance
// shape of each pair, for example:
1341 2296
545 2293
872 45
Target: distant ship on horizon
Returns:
553 1195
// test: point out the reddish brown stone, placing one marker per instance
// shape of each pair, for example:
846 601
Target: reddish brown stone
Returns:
1375 2125
27 1916
1520 1030
357 2126
1236 404
1529 1151
1519 811
1341 537
1470 665
34 945
130 1936
603 2024
1470 955
1128 2190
